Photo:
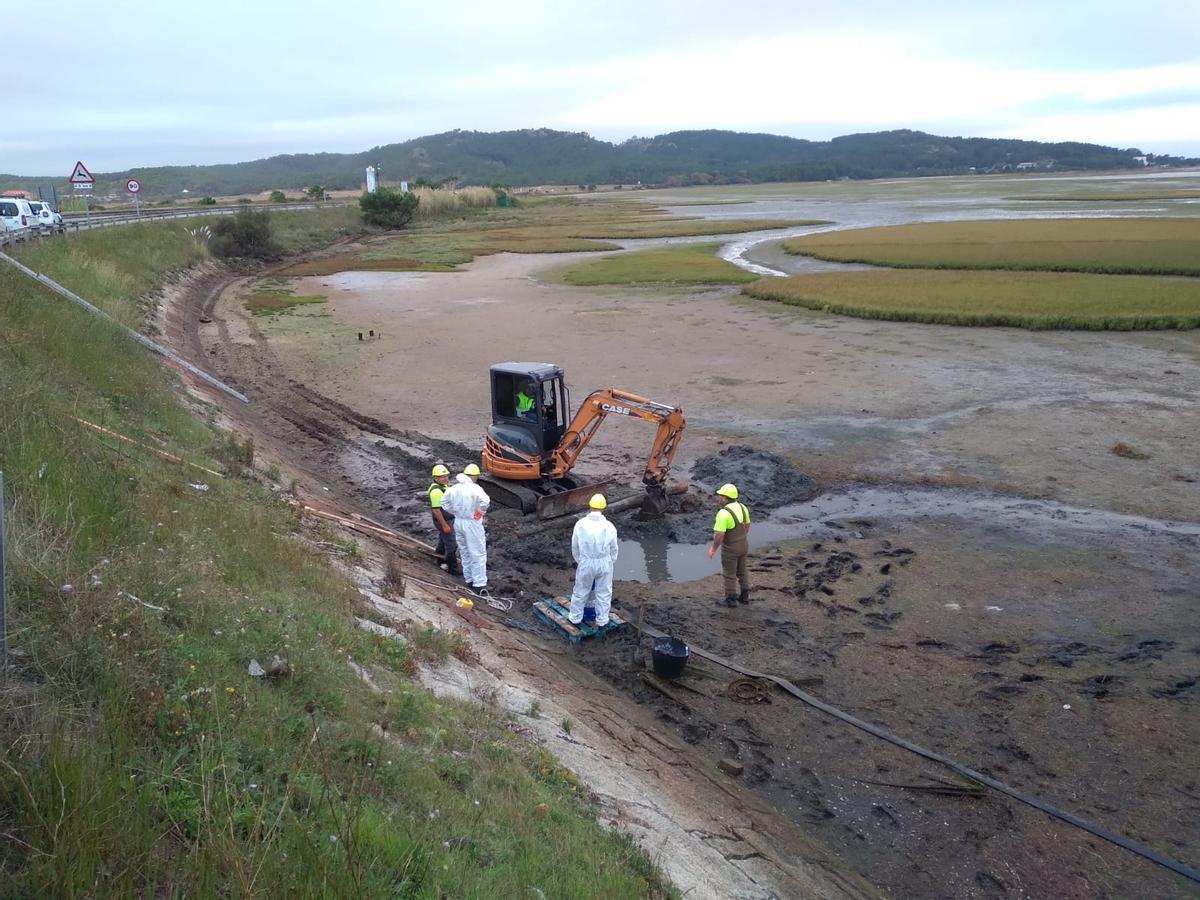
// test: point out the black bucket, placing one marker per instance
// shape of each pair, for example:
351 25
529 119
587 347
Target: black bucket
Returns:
670 657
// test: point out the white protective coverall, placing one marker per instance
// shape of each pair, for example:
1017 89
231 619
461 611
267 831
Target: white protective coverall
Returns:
594 546
464 499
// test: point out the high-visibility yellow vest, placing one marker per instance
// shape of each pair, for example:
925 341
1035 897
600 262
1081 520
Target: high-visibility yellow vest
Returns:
731 515
436 492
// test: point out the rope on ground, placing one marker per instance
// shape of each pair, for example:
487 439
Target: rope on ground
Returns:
501 604
749 690
1116 839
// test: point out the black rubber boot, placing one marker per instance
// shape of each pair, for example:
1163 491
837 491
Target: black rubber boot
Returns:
730 600
744 596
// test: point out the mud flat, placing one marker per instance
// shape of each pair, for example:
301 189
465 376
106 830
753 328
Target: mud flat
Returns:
1018 597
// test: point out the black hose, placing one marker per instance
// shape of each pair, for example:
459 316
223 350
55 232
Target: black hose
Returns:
1071 819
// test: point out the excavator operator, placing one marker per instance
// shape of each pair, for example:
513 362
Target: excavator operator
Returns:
526 407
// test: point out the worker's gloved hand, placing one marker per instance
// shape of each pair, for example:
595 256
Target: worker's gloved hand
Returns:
446 529
712 551
478 515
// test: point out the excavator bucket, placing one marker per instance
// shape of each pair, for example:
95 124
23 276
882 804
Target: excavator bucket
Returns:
560 503
654 504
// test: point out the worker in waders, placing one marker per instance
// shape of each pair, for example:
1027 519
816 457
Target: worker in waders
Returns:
443 521
731 533
594 546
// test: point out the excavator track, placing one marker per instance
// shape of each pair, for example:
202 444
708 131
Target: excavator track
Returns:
546 499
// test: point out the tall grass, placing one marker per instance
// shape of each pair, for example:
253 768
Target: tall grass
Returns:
1035 300
439 202
140 757
1117 246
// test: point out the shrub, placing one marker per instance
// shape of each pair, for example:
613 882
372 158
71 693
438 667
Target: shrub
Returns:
247 234
206 201
244 200
316 192
278 197
388 208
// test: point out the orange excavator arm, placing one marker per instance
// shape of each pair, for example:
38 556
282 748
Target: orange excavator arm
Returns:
597 406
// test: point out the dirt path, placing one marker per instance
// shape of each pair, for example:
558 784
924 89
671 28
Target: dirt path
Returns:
974 643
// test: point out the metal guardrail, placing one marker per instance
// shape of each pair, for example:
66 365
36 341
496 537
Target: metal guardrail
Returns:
16 237
82 221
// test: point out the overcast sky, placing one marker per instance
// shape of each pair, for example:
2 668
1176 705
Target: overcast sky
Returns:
123 84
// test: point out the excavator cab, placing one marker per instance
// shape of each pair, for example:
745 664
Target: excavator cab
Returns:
533 441
530 409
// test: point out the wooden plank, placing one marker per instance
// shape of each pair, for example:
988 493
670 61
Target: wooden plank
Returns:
564 606
554 618
554 611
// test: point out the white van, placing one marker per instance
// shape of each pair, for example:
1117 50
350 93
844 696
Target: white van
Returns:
16 214
47 219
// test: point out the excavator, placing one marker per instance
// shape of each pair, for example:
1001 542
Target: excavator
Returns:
534 441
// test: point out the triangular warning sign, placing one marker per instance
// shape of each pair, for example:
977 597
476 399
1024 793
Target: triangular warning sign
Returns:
81 175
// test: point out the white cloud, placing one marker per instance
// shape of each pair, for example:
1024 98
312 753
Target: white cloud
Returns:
253 79
844 77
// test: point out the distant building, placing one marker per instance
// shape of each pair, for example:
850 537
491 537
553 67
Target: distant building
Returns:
1140 160
19 195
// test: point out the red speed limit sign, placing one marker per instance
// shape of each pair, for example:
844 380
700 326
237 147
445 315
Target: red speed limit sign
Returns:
133 185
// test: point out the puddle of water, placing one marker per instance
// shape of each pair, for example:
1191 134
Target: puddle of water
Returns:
654 558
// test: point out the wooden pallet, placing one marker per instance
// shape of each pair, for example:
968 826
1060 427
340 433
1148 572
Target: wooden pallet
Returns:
553 611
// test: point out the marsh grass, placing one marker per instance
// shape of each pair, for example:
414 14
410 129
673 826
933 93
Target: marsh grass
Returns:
1116 246
269 302
140 757
438 203
352 262
682 264
666 227
1128 451
459 234
1035 300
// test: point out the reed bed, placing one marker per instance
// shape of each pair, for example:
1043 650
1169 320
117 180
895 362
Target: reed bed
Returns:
1033 300
1135 246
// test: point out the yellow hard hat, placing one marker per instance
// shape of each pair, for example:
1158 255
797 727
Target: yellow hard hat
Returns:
597 501
439 470
728 490
471 469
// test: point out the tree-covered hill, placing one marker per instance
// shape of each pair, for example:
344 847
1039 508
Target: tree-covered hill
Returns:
544 156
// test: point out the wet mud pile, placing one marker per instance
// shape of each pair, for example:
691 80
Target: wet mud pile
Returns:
764 480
